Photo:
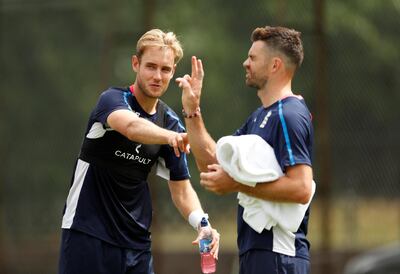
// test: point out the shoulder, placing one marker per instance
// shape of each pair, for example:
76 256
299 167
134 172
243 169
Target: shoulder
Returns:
114 92
294 114
293 108
114 96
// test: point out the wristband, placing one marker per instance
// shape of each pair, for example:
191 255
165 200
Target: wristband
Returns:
195 218
196 113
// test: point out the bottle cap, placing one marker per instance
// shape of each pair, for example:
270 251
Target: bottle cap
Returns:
203 222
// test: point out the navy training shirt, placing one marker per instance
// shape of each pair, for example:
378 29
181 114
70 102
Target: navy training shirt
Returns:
109 196
286 125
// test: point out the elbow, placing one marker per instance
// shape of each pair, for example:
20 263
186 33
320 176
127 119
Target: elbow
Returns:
304 193
201 166
208 159
304 199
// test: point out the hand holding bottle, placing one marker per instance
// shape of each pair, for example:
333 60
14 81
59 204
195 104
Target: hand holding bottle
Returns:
208 241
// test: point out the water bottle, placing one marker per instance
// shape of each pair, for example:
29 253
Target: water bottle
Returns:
207 261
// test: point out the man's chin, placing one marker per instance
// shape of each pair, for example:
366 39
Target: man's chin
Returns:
251 84
156 94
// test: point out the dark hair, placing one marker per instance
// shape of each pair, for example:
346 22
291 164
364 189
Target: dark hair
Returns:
284 40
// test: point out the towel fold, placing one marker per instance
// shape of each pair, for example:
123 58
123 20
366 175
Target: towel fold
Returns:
249 160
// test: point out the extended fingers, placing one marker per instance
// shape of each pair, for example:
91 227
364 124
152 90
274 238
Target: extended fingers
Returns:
215 244
186 144
181 143
176 142
197 68
200 70
194 65
174 145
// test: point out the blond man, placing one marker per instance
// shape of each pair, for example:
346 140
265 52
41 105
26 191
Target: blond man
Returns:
108 211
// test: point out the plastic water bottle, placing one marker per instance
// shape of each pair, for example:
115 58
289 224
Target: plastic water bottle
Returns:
207 261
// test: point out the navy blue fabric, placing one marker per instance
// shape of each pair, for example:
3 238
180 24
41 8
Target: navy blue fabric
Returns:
258 261
285 125
114 208
114 150
114 202
83 254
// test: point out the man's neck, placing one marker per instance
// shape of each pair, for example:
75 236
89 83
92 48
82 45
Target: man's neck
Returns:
148 104
274 92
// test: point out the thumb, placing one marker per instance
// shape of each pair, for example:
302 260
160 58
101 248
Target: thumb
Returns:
196 241
212 167
182 82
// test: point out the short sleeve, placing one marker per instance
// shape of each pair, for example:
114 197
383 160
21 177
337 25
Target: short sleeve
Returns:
177 166
295 138
109 101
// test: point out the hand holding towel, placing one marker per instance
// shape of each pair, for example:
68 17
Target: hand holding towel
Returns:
249 160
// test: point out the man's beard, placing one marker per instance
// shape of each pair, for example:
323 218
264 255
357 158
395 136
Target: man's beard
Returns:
146 92
252 85
256 84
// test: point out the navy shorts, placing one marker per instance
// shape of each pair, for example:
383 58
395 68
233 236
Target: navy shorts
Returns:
257 261
83 254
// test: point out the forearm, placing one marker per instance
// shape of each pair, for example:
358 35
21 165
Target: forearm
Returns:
184 197
188 204
201 143
138 129
282 190
143 131
294 187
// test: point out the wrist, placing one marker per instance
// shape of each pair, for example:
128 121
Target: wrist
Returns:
170 136
195 218
239 187
191 114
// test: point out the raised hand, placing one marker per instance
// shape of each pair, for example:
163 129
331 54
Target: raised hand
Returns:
191 86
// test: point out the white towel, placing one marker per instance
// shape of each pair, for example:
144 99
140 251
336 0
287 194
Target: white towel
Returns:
249 159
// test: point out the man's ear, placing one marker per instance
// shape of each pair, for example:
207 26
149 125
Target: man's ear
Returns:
173 71
276 64
135 63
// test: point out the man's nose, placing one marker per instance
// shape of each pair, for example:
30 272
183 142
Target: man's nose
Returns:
157 74
245 63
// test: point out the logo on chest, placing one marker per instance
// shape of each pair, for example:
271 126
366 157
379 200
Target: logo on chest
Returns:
137 148
133 157
264 122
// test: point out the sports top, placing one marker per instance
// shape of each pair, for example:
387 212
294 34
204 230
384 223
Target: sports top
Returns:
286 126
109 196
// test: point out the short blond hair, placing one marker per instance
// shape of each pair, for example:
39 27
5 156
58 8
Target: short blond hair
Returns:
157 37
